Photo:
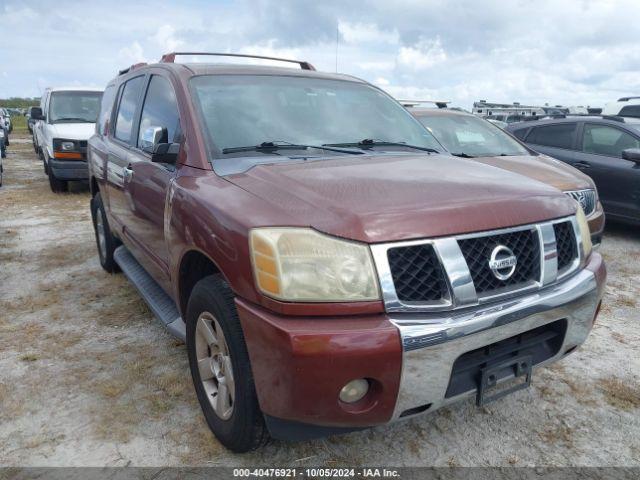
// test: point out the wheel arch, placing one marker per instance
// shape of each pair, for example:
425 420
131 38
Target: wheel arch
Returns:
193 267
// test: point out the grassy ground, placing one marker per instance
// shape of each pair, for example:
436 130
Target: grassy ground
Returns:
19 124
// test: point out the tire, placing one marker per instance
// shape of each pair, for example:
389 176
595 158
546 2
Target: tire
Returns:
106 249
211 303
57 185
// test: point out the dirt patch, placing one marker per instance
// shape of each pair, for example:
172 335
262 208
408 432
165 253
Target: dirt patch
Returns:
622 394
88 377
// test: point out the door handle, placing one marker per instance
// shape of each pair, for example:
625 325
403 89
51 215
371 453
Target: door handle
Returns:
582 165
127 173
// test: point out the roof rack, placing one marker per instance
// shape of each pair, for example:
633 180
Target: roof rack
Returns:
626 99
171 57
131 68
413 103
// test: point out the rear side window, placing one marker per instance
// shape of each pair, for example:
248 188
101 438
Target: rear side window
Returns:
127 109
630 111
105 109
604 140
559 136
160 109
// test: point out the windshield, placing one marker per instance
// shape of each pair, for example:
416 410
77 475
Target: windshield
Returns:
246 110
74 107
472 136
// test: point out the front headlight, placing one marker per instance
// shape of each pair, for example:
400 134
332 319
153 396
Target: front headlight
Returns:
302 265
585 233
67 146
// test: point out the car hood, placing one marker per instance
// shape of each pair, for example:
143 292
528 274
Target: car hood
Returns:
544 169
72 131
381 198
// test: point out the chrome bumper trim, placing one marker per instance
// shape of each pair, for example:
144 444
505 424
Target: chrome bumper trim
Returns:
433 341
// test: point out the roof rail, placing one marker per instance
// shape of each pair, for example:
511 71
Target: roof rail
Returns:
131 68
413 103
626 99
171 57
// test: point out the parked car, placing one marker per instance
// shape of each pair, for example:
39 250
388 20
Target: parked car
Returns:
3 154
469 136
328 269
7 119
605 148
4 138
65 120
624 107
30 120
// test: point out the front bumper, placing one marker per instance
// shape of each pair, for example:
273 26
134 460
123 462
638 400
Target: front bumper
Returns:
69 169
301 363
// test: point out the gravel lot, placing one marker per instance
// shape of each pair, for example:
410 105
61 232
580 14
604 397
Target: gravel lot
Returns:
87 376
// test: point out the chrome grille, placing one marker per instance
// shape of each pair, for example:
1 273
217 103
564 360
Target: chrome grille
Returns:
417 273
586 199
455 272
477 251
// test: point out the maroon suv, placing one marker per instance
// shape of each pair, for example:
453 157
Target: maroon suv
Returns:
328 269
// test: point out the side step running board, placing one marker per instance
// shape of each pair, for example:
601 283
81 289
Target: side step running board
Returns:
159 302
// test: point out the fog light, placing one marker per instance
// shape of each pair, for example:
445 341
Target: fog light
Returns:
354 390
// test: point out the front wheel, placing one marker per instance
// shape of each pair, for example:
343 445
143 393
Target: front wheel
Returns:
221 369
105 240
57 185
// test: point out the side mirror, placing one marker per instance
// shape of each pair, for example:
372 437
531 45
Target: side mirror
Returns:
151 138
155 141
166 153
36 113
632 154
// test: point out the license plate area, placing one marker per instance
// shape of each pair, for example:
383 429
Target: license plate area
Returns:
489 388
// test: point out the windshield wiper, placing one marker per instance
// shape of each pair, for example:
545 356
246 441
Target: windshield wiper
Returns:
463 155
72 119
368 142
279 145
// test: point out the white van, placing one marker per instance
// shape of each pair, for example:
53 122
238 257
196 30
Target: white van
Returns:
66 119
624 107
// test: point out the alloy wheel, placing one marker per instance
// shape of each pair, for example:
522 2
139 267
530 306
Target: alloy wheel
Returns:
214 365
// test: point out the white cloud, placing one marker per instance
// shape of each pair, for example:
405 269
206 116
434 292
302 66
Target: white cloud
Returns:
571 52
131 54
426 53
166 39
361 33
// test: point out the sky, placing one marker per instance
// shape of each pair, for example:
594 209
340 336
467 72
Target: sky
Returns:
569 52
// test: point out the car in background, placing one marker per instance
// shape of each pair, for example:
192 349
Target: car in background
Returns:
7 119
30 120
605 148
65 120
624 107
469 136
2 155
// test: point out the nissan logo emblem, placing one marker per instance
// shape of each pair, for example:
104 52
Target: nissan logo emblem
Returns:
502 262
